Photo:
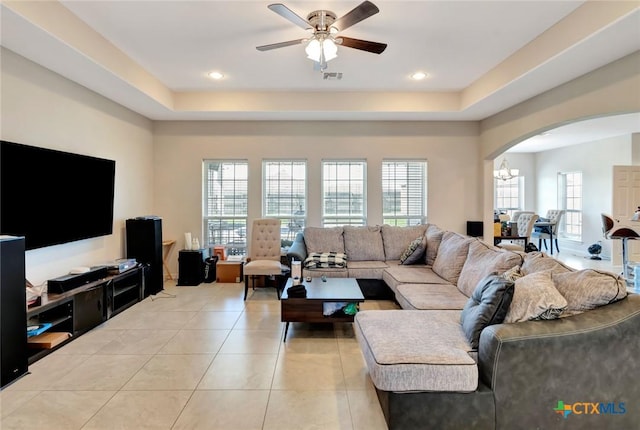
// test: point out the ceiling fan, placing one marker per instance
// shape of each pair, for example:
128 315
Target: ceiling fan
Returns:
325 26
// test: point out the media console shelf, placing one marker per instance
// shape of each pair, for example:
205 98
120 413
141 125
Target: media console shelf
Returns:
77 311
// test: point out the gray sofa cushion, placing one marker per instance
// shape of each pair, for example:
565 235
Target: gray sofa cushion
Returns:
452 253
434 238
487 305
588 289
324 239
430 296
395 275
396 239
483 260
416 350
363 243
535 297
538 262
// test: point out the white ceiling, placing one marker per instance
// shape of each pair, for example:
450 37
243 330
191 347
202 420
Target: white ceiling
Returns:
482 56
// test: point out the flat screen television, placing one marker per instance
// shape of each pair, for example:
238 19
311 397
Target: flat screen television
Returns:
52 197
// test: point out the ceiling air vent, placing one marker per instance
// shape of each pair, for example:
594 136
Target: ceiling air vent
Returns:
332 76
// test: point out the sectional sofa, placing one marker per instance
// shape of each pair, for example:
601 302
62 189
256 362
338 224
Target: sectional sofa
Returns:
486 338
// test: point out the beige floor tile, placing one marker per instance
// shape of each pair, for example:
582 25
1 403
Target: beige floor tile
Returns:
140 410
175 300
366 413
308 372
240 372
171 372
213 320
356 374
102 372
161 320
348 345
92 342
135 341
224 303
195 342
224 409
312 410
251 342
44 373
312 330
57 410
270 305
259 321
12 400
310 345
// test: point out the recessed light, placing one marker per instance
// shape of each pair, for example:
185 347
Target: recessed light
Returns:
216 75
418 76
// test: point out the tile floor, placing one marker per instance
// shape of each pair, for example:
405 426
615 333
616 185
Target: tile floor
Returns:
204 359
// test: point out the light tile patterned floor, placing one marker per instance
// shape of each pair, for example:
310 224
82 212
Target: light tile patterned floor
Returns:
205 359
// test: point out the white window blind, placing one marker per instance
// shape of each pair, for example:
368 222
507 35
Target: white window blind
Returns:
343 192
225 204
404 192
285 194
570 192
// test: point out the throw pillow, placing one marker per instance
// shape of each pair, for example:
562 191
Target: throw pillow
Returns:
482 260
324 260
535 298
452 254
487 305
396 239
589 289
538 262
513 274
414 251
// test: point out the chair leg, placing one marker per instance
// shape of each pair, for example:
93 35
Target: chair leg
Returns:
558 249
246 286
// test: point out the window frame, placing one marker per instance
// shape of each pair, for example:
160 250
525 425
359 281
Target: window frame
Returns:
519 187
567 197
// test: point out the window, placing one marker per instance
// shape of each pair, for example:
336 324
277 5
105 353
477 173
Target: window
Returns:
404 190
225 204
570 192
285 194
508 194
343 193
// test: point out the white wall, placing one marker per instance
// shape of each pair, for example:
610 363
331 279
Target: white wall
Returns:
40 108
451 150
595 160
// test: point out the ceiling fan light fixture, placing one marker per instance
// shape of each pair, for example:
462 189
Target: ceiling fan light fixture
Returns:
418 76
319 49
215 75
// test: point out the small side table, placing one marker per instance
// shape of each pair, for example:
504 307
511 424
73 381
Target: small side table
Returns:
167 246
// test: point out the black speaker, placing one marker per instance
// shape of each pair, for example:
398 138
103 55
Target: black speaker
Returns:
13 310
475 228
144 243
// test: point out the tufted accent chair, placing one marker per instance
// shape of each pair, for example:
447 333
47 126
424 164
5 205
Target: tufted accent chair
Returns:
554 216
264 251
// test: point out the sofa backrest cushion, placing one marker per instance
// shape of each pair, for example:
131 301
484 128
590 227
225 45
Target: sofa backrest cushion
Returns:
588 289
538 262
324 239
535 297
397 239
363 243
452 254
483 259
488 304
434 238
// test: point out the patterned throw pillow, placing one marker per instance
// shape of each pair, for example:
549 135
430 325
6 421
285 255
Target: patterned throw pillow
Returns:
414 251
324 260
513 274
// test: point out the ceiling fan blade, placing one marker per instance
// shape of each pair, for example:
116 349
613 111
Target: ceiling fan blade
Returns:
363 11
290 15
279 45
363 45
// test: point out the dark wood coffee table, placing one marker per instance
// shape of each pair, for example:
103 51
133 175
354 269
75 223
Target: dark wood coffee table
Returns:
310 308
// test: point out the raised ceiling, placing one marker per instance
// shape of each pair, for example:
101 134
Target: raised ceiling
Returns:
481 56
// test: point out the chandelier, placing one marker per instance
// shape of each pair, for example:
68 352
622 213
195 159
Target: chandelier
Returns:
504 172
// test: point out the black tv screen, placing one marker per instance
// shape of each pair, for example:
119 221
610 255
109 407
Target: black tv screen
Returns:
52 197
